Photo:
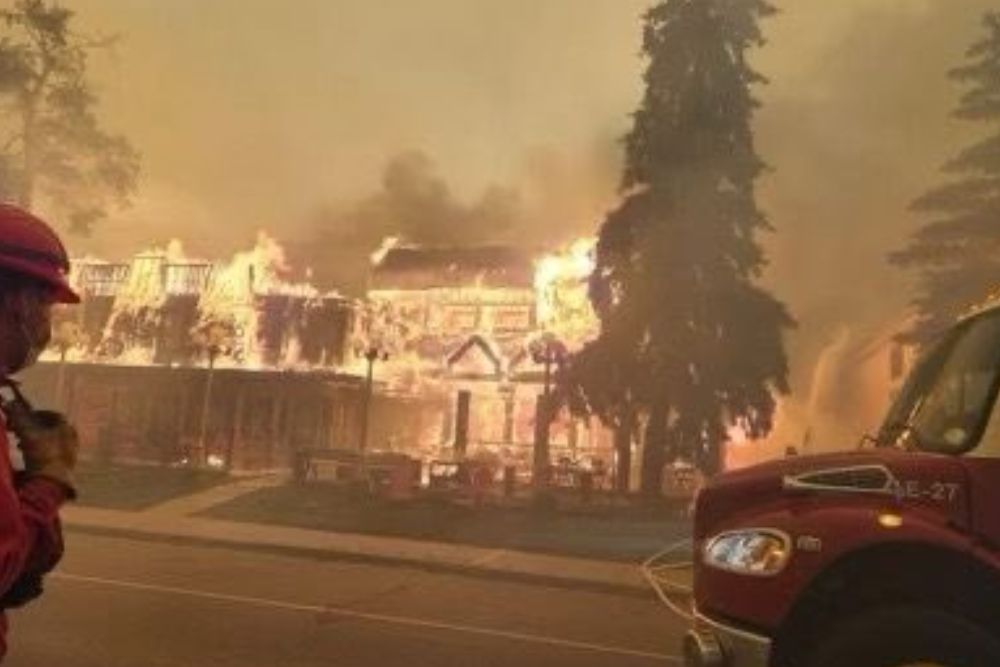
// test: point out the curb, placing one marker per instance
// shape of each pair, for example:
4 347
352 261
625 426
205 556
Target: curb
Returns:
331 555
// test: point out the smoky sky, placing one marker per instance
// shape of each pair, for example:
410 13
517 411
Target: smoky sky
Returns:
413 204
855 128
332 122
252 114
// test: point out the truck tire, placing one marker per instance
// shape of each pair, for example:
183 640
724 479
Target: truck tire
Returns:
907 637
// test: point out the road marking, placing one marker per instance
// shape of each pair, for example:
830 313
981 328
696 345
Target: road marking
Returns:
366 616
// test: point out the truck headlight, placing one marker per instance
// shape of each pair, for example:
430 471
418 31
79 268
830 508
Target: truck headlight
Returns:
761 552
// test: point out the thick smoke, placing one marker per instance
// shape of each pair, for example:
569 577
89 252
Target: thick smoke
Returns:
416 205
855 132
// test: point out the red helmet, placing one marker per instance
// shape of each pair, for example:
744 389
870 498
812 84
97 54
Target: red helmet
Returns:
29 246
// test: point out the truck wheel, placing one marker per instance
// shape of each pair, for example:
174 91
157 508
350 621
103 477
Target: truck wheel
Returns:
907 637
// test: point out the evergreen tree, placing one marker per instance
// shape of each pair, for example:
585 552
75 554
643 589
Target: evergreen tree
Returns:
602 380
956 255
698 345
51 142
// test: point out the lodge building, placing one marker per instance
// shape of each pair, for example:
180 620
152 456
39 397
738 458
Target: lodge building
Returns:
168 360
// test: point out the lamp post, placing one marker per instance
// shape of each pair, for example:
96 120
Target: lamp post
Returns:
213 342
371 355
548 351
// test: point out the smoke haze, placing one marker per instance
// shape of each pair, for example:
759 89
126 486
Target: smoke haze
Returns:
335 122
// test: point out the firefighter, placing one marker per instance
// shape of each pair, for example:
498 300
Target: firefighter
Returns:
33 278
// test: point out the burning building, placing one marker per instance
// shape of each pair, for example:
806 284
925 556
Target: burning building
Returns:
165 309
468 321
444 308
170 358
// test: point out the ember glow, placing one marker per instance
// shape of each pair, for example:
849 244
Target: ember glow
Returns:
388 243
427 307
231 299
246 313
163 307
563 304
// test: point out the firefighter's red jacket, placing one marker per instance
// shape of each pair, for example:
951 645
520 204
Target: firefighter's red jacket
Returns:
30 532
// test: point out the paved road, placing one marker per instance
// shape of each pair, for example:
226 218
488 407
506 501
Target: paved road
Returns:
124 603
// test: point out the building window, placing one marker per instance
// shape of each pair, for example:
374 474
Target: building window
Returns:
103 279
512 320
186 278
460 318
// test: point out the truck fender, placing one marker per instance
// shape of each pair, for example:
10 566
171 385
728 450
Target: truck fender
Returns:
940 574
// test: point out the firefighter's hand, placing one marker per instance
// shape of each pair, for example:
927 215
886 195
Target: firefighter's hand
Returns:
48 444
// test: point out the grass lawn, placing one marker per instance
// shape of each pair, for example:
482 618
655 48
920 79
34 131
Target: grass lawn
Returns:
129 487
621 534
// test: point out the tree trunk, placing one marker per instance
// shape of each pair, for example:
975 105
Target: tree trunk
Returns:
26 191
623 448
654 452
541 461
712 458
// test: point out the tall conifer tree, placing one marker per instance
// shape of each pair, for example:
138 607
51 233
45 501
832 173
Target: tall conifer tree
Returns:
686 332
956 255
52 144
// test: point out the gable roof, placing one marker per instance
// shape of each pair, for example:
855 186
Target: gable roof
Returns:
486 351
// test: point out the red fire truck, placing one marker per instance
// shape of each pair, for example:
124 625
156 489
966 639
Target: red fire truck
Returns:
888 556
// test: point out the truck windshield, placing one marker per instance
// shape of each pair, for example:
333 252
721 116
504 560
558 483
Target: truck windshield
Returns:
946 402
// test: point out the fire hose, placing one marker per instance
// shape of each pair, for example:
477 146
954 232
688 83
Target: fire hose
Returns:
664 571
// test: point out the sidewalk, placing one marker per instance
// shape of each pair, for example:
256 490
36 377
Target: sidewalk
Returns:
217 495
168 522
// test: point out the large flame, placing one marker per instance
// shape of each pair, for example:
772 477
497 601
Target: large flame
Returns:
130 334
561 289
219 307
472 329
228 313
475 327
388 243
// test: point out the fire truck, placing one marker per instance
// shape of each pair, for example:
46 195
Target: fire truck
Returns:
885 556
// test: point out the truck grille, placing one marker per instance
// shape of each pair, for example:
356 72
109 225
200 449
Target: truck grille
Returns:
859 479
